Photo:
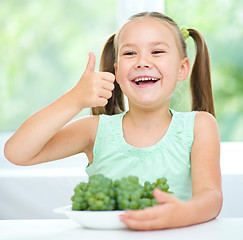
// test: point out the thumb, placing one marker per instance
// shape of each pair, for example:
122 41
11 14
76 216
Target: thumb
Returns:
162 197
91 63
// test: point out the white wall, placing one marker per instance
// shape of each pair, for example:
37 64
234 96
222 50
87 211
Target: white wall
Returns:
126 8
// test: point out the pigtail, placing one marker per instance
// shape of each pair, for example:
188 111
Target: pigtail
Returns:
200 80
116 103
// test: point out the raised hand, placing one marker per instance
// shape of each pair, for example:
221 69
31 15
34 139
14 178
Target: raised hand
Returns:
94 88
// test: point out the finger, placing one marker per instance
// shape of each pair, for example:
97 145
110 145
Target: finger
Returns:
162 197
103 93
101 102
144 225
144 214
108 85
108 76
91 63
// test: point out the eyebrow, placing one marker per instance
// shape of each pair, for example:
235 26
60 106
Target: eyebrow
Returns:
152 43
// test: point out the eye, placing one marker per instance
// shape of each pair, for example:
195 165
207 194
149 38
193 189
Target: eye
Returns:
158 52
129 53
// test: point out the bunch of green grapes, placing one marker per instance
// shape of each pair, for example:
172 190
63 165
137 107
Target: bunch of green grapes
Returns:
96 195
160 183
102 194
148 199
128 192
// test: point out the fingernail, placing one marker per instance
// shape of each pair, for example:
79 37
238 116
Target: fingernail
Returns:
157 191
127 214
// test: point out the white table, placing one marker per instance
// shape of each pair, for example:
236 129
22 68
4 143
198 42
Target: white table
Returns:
66 229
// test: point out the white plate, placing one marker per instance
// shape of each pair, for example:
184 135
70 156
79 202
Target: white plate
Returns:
94 219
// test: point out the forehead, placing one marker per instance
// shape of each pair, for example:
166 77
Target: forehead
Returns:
146 29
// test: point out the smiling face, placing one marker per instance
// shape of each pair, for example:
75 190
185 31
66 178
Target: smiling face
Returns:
149 62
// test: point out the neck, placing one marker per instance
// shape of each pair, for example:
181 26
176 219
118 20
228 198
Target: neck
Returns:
149 118
144 128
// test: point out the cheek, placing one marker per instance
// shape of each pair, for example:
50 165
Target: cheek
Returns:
120 73
169 69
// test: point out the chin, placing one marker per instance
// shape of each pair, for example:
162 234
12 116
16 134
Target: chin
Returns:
148 105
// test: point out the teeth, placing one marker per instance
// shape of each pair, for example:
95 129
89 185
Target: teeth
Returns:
145 79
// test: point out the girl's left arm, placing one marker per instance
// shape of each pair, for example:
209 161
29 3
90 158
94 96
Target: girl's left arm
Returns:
206 201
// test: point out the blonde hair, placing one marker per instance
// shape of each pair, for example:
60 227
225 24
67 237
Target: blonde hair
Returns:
200 79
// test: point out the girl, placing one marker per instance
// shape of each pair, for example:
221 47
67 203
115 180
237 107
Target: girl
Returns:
144 60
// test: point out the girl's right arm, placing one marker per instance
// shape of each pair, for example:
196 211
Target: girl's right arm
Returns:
46 136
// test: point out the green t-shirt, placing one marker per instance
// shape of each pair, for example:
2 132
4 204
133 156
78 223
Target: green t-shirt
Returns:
170 157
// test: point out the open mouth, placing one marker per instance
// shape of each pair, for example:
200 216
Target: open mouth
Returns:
145 81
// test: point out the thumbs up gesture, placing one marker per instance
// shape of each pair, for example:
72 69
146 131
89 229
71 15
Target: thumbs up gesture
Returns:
94 88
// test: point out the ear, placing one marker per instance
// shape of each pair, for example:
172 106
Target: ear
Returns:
115 67
184 70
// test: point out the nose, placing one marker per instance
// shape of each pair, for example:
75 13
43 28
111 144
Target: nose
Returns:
143 62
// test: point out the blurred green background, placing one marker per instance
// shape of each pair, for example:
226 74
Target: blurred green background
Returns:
44 49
